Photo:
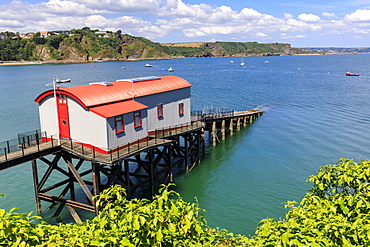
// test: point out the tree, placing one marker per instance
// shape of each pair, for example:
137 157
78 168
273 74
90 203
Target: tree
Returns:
335 212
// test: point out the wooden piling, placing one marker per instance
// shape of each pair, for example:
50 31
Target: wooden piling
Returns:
231 127
223 129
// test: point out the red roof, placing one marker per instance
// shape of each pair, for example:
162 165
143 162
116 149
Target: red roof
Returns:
94 95
115 109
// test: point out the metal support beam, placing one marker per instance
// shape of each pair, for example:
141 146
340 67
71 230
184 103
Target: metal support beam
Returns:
36 187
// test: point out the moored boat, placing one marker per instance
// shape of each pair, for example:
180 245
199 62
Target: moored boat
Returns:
171 69
58 80
349 73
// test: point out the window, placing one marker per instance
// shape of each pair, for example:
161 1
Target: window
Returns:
62 99
137 119
118 124
160 110
181 109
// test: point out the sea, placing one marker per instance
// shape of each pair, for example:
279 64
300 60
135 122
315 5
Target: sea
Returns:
314 115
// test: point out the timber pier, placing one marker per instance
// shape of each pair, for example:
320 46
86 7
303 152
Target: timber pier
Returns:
140 165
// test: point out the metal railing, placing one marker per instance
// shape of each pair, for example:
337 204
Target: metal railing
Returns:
24 141
156 137
36 138
203 115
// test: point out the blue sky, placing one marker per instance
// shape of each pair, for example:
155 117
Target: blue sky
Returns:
301 23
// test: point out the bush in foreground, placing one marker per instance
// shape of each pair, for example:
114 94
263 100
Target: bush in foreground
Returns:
335 212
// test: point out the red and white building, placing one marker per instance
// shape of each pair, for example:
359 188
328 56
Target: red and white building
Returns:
109 115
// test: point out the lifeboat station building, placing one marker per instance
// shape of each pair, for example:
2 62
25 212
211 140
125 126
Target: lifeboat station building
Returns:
108 115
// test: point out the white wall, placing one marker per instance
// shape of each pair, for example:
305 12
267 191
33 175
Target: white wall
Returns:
48 117
130 134
170 101
85 126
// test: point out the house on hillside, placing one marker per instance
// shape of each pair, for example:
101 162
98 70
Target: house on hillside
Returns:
108 115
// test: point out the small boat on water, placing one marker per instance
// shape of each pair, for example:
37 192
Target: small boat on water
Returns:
349 73
242 63
148 65
58 80
171 69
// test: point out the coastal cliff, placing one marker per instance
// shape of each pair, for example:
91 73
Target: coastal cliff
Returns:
86 45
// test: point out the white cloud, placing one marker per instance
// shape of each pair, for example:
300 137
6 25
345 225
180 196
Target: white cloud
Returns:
250 14
156 19
10 23
261 35
308 17
121 5
287 16
360 15
328 15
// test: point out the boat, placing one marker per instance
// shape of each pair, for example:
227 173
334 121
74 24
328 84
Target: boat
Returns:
349 73
58 80
242 63
148 65
171 69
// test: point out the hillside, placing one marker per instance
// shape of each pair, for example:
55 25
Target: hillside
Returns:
86 45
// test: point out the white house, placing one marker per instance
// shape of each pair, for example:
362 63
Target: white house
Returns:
108 115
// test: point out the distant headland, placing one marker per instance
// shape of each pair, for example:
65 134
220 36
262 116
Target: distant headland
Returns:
87 45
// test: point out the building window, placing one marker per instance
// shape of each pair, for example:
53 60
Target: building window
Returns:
181 109
160 110
118 124
62 99
137 119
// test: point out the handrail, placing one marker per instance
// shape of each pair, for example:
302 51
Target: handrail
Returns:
24 141
36 138
111 154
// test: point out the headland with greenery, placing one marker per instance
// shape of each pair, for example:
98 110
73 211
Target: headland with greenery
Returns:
87 45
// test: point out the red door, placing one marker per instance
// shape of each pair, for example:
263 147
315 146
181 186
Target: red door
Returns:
63 118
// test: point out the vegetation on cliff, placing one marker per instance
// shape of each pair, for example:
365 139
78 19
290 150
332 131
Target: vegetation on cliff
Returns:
335 212
85 45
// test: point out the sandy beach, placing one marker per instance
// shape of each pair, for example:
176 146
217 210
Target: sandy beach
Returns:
20 63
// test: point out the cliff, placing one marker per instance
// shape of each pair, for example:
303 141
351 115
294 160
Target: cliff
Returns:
85 45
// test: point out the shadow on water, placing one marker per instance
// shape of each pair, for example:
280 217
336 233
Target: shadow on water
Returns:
215 179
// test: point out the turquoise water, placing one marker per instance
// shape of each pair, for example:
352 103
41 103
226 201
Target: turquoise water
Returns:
314 116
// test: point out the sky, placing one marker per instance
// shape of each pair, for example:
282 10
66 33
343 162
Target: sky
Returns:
309 23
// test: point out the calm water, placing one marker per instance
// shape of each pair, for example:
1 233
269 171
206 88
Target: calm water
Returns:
314 116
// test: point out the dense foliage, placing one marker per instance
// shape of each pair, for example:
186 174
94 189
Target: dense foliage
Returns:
83 43
335 212
252 47
185 51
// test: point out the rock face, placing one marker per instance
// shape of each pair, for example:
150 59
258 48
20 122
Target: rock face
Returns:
126 47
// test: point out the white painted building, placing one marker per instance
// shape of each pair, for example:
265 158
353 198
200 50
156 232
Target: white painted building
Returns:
108 115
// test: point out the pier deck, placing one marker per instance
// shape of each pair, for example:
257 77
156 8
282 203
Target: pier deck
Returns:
36 149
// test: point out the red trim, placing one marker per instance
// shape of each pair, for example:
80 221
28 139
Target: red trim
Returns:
160 110
181 109
95 95
119 122
47 139
102 151
118 108
58 91
138 115
166 130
